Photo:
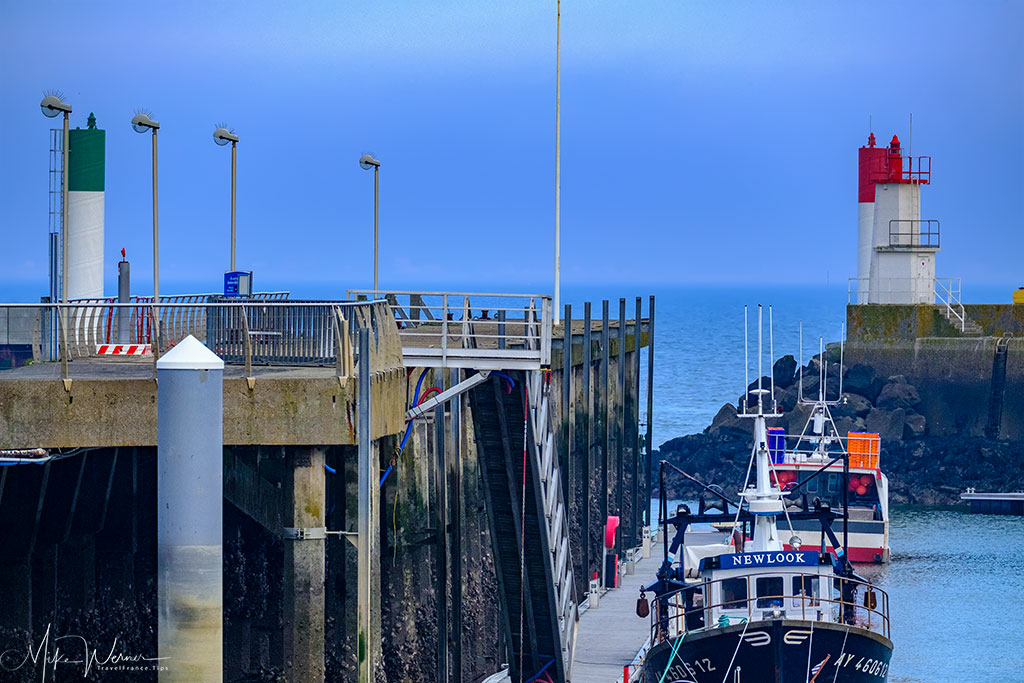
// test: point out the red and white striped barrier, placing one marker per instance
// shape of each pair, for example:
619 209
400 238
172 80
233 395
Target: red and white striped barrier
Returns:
124 349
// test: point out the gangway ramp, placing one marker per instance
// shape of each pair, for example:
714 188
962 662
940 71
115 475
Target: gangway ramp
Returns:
528 524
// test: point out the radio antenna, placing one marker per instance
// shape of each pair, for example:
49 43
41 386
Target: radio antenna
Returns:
760 355
822 372
800 384
746 364
842 348
771 357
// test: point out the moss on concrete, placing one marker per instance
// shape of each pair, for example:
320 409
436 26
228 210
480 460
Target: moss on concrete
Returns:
896 324
997 320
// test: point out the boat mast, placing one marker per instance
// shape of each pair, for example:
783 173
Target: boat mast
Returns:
764 499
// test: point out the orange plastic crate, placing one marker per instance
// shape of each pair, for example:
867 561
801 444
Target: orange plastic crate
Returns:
864 449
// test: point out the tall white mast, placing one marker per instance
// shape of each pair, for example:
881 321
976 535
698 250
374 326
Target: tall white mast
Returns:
764 500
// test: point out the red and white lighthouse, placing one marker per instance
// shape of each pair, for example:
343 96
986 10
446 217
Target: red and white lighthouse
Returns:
895 248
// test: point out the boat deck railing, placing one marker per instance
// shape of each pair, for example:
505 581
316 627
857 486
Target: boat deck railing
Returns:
669 615
802 449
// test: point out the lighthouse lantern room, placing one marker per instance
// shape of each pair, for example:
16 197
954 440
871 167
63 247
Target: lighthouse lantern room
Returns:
895 248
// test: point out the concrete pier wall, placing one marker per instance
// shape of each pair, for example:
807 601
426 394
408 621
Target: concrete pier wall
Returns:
79 533
953 372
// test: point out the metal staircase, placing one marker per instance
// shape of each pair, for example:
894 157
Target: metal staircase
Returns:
959 319
529 532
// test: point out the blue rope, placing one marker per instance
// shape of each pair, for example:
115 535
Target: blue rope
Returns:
537 675
401 448
419 383
511 382
386 473
405 438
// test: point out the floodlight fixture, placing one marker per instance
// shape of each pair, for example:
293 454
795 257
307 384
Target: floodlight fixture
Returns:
52 105
142 123
366 162
223 136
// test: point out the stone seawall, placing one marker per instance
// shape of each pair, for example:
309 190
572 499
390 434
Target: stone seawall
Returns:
954 377
970 384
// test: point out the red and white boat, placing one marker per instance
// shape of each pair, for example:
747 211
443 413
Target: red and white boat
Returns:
862 485
852 478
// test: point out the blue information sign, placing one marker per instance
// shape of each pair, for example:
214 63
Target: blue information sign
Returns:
770 559
238 283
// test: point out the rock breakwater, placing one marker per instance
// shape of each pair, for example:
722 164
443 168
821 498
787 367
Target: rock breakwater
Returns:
922 469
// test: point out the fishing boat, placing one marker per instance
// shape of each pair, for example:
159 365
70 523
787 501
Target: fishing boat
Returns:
749 609
844 471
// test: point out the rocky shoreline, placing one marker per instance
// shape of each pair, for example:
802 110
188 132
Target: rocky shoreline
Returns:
922 469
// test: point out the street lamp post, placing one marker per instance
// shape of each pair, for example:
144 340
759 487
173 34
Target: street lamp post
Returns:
223 136
52 106
367 162
141 123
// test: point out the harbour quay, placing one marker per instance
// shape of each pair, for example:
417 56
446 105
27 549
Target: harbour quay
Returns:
410 485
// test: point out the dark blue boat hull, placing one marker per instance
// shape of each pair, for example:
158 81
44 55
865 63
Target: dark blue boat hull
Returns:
777 651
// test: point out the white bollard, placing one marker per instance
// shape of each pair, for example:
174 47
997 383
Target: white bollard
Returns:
190 495
645 552
595 593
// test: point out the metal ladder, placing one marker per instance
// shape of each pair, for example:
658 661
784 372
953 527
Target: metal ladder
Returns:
553 511
998 391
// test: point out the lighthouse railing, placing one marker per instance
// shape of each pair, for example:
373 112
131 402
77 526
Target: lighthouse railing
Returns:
945 292
914 232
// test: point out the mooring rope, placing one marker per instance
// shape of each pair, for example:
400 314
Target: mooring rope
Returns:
671 656
736 651
842 652
810 646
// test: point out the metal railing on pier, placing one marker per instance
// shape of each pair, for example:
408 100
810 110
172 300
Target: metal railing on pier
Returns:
242 331
96 321
470 329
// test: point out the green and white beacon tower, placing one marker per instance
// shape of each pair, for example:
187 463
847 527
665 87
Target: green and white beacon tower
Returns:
86 172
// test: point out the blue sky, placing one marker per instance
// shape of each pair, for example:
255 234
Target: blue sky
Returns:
702 142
